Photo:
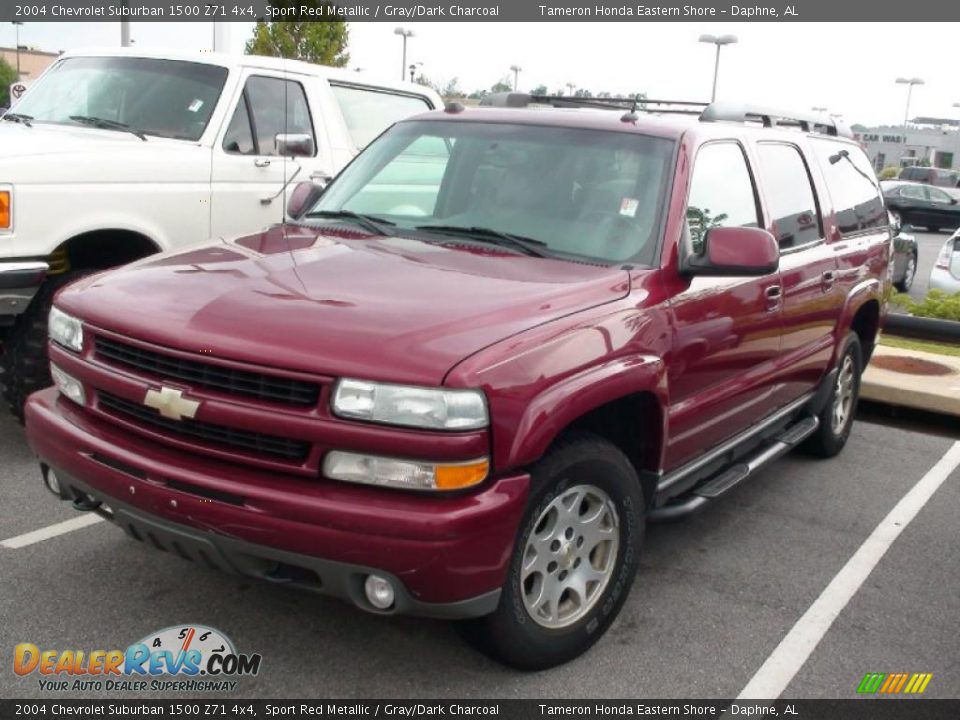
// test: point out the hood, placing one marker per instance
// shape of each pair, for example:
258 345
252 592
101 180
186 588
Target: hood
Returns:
18 140
338 302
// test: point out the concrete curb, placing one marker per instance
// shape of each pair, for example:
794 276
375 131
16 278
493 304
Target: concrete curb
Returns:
939 394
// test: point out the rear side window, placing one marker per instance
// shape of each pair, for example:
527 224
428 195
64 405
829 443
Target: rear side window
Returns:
721 192
788 189
857 201
938 196
369 111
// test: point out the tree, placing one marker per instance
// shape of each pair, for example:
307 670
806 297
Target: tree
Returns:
422 79
8 75
452 89
324 42
502 85
582 93
539 90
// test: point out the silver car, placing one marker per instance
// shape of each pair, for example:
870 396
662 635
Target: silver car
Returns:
946 271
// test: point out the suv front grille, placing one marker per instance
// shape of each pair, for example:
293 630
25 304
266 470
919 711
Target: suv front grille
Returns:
217 435
211 377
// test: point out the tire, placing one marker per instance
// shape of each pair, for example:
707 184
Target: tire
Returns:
595 471
832 435
909 274
25 364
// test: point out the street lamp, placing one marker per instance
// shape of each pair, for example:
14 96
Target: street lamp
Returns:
909 82
516 75
570 86
404 33
718 41
413 68
17 24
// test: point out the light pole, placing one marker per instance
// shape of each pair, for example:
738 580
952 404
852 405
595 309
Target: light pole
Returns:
718 41
413 68
909 82
570 86
516 75
404 33
17 24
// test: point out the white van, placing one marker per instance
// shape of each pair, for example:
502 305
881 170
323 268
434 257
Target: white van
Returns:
117 154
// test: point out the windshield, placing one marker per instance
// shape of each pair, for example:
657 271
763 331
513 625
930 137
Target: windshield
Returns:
166 98
586 194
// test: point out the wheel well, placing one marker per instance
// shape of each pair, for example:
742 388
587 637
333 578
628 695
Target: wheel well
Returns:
635 425
866 324
101 249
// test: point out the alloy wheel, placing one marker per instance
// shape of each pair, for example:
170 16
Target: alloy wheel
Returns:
843 396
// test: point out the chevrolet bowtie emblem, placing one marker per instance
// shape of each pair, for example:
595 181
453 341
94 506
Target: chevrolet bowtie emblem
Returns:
171 403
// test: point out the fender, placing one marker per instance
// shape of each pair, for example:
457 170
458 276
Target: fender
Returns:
557 407
859 295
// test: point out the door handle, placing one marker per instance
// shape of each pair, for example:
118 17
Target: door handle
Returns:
774 295
828 279
261 162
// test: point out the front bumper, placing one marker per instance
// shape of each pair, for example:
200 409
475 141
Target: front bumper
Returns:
447 556
19 282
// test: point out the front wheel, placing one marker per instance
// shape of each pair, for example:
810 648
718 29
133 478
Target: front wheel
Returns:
836 418
574 560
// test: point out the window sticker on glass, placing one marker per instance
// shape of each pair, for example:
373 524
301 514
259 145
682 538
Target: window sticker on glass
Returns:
628 206
195 105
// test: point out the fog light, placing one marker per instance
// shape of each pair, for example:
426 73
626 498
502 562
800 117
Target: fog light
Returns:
379 592
68 385
51 480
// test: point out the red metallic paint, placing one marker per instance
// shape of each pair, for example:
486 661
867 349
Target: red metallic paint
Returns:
547 340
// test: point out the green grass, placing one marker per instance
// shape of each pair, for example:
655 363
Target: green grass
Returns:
922 345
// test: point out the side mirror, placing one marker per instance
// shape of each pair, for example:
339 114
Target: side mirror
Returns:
304 196
294 144
735 252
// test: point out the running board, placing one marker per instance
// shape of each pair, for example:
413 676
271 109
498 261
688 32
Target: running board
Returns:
735 474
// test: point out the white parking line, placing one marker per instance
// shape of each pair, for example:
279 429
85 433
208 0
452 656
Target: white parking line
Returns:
51 531
793 651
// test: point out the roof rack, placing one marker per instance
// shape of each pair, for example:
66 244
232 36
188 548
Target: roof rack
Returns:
706 112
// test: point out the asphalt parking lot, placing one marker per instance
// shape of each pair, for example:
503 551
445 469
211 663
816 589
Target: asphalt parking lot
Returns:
715 596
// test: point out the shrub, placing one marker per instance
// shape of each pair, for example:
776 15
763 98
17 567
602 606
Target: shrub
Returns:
889 173
937 304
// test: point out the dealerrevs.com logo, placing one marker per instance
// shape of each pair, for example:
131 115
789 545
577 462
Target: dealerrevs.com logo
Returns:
188 658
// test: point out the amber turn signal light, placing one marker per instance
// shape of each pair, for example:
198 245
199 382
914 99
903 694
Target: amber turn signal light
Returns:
5 210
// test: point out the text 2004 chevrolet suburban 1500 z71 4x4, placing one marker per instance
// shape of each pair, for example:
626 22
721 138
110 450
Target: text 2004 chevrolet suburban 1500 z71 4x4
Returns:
114 155
462 380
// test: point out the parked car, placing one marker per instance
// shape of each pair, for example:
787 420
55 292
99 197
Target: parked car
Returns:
906 253
923 205
115 155
931 176
462 379
946 271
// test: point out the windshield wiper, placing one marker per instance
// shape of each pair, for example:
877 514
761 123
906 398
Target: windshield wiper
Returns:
526 245
105 124
19 117
371 223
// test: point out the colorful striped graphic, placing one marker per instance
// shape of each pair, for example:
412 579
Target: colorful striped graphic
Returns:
894 683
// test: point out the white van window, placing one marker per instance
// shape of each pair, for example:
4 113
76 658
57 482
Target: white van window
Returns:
369 111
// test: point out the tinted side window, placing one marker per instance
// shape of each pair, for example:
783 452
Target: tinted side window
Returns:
721 192
368 111
913 192
937 196
856 196
278 106
787 187
239 136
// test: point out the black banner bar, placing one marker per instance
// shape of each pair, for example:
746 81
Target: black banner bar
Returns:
478 10
854 709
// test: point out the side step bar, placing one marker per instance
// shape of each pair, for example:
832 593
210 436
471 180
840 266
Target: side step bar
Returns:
732 476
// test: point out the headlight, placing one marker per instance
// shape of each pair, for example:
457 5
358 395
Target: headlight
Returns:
407 474
68 385
65 330
431 408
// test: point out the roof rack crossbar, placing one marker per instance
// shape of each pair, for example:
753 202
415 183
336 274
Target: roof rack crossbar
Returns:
515 99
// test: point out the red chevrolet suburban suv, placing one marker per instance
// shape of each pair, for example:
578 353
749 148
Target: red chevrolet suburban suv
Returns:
460 379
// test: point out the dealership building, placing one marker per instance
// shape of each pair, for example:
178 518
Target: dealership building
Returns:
926 141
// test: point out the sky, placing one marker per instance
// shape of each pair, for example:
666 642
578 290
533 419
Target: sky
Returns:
849 68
